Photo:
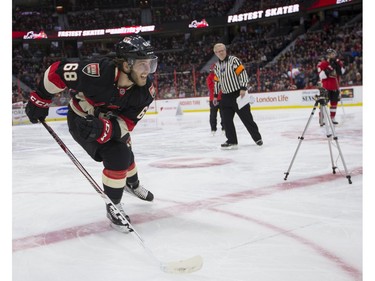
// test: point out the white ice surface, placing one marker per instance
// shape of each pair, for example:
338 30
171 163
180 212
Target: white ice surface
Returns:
233 208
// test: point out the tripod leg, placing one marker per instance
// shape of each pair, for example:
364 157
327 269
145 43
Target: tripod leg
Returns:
343 113
335 138
328 121
321 117
301 138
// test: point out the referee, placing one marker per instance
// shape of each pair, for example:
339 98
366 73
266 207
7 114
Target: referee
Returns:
231 78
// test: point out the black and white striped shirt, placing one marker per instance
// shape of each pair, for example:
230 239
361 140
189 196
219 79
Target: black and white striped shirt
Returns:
230 75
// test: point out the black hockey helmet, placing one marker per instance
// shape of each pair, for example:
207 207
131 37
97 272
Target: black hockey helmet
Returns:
134 46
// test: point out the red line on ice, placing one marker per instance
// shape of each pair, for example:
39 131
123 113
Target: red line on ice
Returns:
357 274
172 211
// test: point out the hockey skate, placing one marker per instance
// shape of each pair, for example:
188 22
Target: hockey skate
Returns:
229 146
334 122
139 191
117 222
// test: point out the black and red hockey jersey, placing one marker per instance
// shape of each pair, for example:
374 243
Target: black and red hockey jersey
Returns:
93 84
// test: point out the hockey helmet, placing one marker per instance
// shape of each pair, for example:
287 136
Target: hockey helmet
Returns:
331 52
134 47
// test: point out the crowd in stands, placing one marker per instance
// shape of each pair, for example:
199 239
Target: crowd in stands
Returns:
296 68
164 12
275 61
98 19
264 4
43 18
115 13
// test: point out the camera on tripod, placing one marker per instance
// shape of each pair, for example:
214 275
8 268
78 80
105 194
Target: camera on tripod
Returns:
322 98
321 102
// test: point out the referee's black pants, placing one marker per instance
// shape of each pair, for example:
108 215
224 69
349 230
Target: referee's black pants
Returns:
229 107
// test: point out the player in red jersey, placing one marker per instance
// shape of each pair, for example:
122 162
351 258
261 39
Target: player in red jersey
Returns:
214 105
330 69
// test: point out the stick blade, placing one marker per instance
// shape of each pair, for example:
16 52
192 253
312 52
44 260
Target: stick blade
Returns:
183 266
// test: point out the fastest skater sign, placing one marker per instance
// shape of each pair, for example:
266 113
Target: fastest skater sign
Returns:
279 11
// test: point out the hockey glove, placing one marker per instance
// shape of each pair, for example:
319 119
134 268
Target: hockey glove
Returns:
215 102
336 65
92 129
37 108
330 72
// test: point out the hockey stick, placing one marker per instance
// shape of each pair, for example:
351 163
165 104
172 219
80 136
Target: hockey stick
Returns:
183 266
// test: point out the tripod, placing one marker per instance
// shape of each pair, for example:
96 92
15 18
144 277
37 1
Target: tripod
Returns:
330 133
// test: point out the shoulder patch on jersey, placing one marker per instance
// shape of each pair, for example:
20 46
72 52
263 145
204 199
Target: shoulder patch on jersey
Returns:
152 90
92 69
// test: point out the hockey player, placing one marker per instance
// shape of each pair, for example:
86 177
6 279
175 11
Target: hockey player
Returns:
214 106
330 69
109 97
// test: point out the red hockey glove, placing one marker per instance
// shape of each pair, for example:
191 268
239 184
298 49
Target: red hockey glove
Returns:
37 108
95 129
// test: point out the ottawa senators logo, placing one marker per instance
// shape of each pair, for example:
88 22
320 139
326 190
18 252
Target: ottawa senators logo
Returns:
92 70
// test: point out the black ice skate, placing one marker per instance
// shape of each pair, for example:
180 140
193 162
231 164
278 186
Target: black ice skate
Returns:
117 222
228 146
139 191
